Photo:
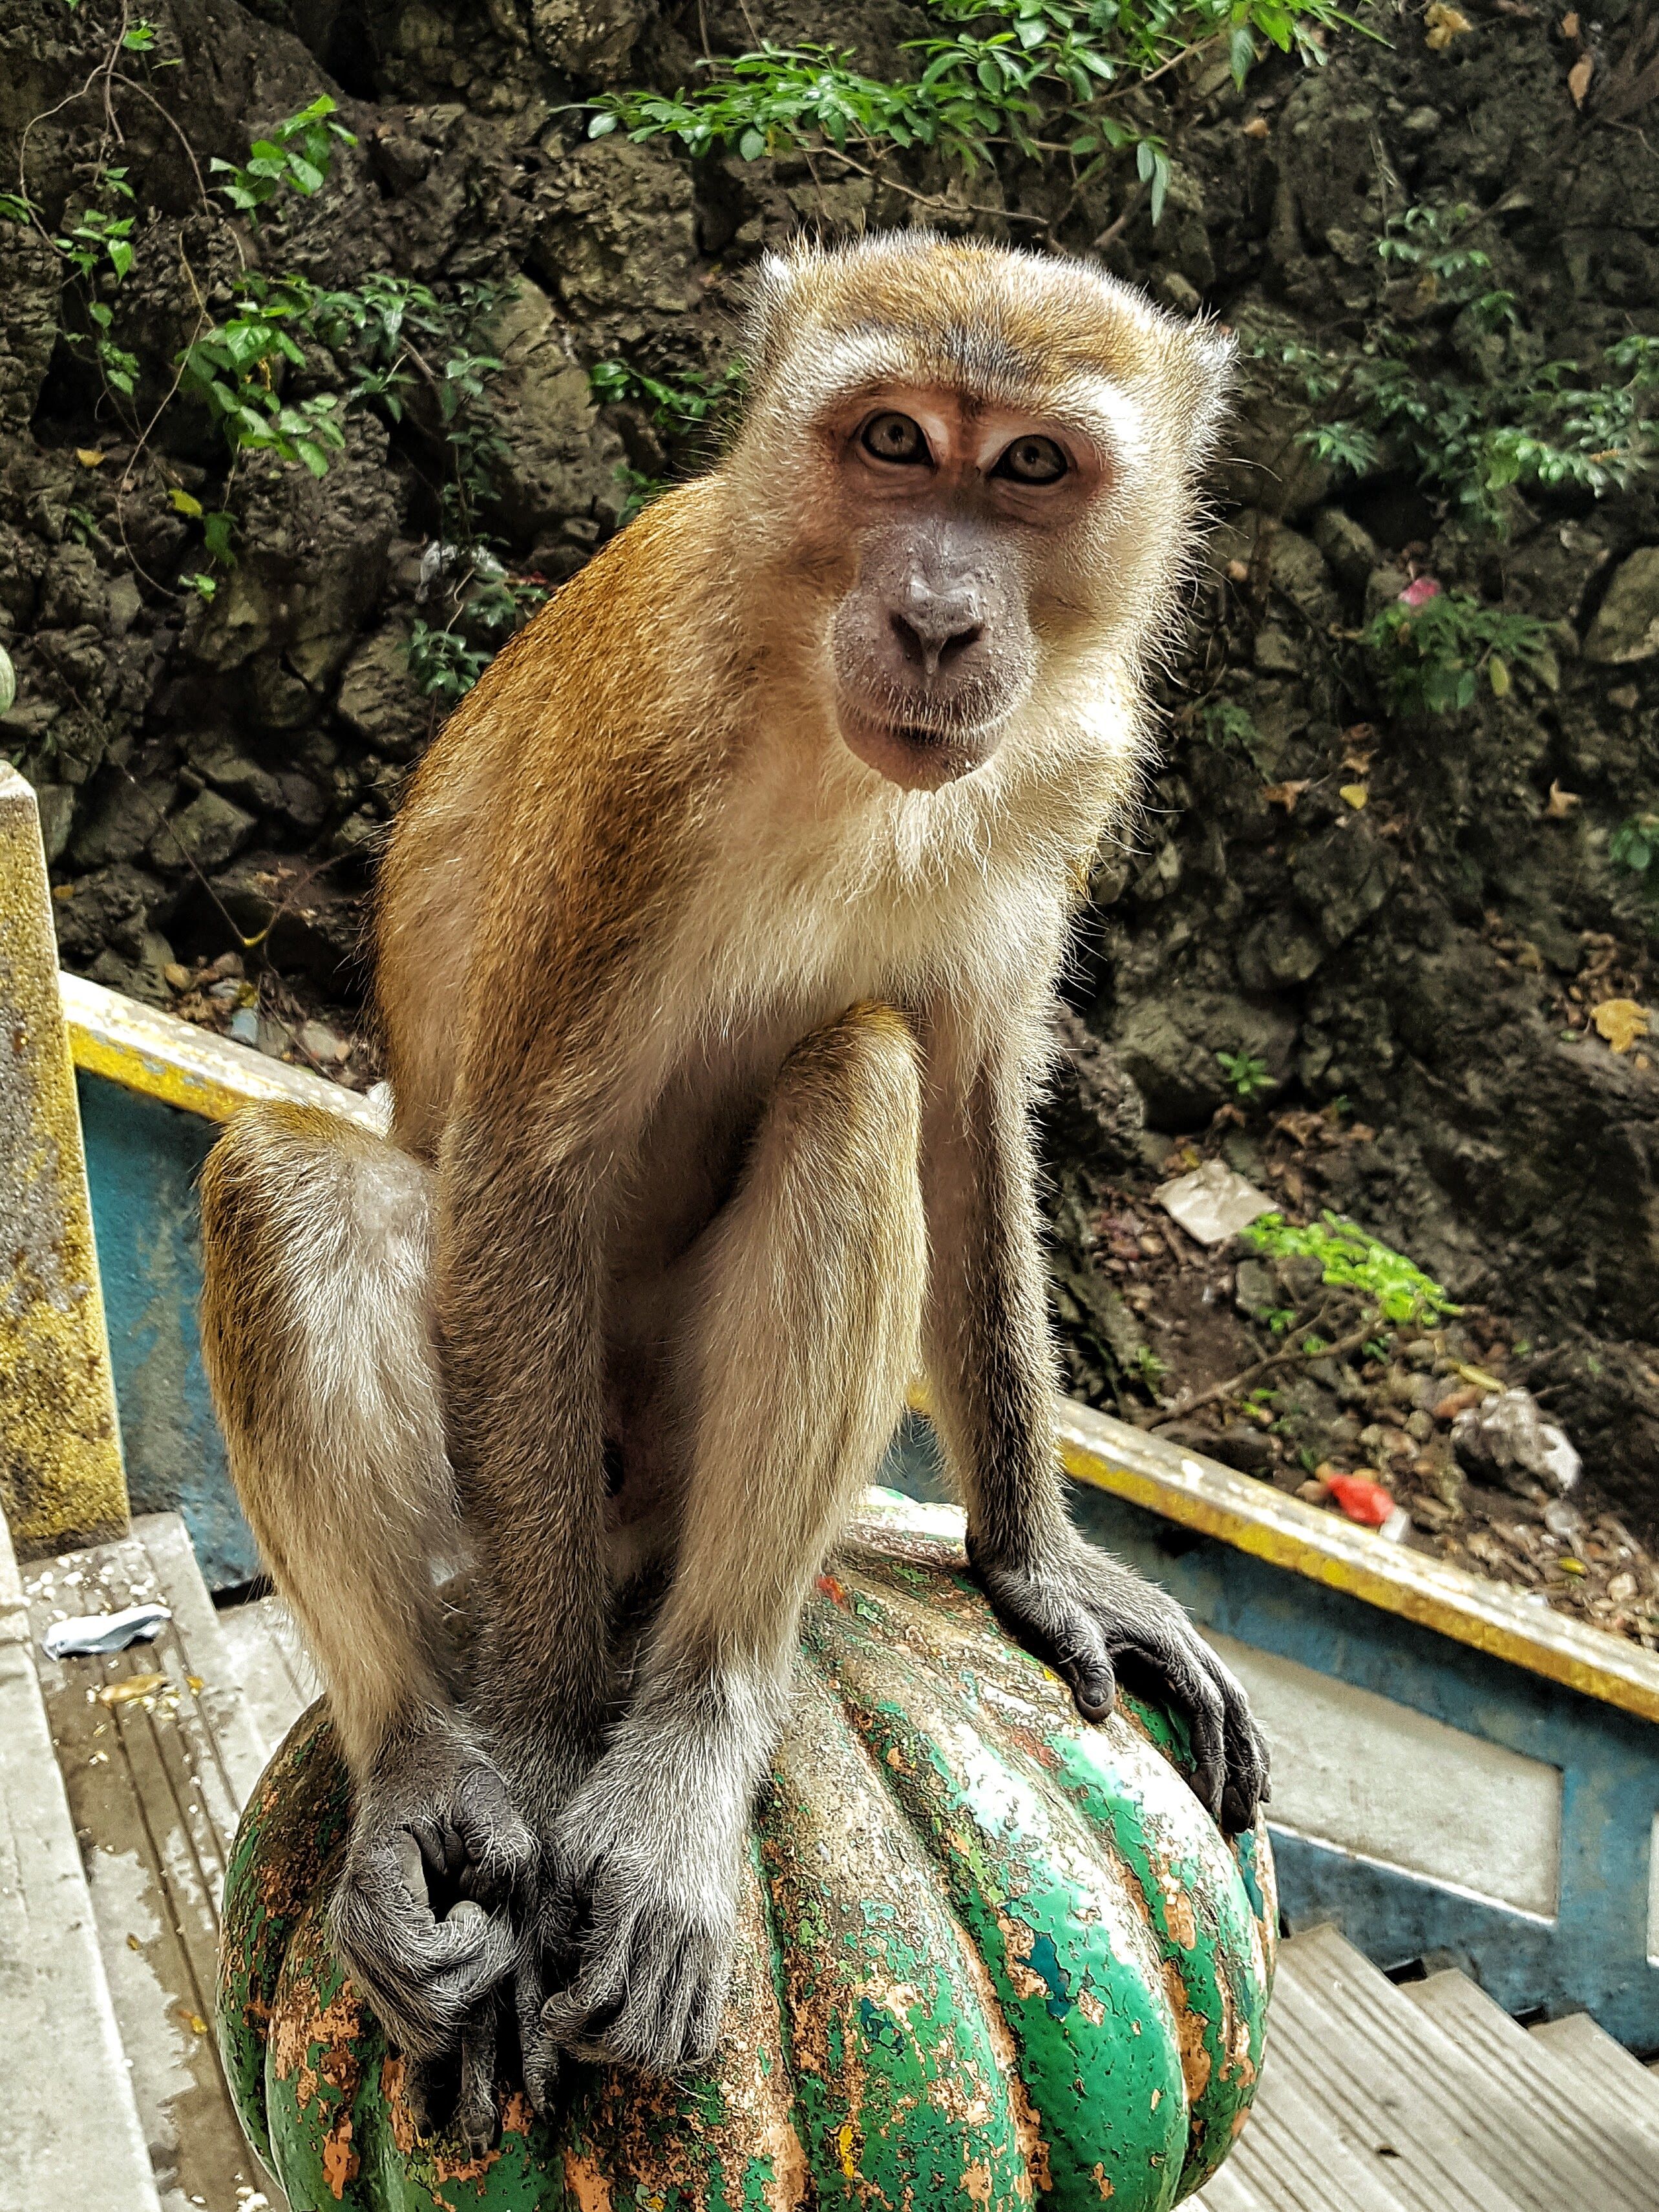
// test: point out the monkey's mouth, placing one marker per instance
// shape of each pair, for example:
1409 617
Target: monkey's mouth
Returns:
915 747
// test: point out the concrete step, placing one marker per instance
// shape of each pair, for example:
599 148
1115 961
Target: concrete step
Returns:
1294 2156
1603 2070
69 2129
154 1779
269 1660
1470 2102
1596 2134
1321 2029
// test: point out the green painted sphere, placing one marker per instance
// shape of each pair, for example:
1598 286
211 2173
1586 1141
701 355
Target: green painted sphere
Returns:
990 1956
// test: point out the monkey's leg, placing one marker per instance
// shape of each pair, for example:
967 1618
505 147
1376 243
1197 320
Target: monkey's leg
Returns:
991 1368
315 1335
805 1335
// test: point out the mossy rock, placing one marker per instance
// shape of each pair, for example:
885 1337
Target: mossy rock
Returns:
990 1955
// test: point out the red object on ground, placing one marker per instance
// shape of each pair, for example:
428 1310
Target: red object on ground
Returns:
1360 1499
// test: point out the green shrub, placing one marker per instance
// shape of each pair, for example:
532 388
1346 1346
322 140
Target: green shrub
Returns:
1433 656
1348 1256
1040 82
1551 425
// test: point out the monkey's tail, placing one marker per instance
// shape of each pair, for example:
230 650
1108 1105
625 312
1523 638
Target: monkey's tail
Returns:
316 1335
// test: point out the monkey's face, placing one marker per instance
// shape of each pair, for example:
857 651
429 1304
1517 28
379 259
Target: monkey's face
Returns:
956 508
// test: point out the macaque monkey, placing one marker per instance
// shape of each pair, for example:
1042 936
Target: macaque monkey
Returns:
715 948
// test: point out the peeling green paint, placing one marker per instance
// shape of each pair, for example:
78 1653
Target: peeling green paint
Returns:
989 1956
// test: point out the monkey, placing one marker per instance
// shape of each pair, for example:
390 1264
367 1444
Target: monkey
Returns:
715 946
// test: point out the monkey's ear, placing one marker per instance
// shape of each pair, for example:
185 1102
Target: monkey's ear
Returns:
1206 357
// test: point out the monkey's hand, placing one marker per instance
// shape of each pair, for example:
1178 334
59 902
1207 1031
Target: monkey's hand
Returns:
437 1852
1095 1623
647 1910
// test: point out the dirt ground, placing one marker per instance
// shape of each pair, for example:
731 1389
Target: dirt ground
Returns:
1203 1369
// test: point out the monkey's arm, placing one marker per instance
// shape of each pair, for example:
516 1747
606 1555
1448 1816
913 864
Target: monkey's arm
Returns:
516 1286
990 1365
518 1325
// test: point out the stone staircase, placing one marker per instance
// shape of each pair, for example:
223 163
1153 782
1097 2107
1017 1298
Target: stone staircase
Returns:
1425 2097
1375 2097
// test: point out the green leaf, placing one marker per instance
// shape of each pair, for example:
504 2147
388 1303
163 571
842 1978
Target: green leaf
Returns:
752 145
1160 184
304 175
120 255
1241 52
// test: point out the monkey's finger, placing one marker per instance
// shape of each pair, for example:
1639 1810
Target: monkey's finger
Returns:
466 1941
648 2028
1083 1660
703 2029
476 2115
497 1848
429 1974
1248 1760
1093 1682
543 2063
1187 1679
575 2016
539 2055
422 2095
459 1987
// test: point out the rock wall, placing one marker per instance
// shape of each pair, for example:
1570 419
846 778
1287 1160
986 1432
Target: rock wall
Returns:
1428 956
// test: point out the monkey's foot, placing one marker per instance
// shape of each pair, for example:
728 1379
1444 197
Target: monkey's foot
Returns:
419 1920
1095 1623
647 1888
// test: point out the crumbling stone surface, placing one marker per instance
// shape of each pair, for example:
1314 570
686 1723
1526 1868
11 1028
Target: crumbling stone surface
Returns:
1406 921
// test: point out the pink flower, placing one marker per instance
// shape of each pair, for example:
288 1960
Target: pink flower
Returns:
1419 592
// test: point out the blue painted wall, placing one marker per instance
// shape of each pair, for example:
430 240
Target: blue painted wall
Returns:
1593 1956
142 1160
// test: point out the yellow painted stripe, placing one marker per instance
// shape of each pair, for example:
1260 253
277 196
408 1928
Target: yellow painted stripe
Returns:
1305 1539
161 1057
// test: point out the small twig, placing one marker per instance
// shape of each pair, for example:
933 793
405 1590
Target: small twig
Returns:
1292 1350
1115 229
131 84
112 122
46 115
936 199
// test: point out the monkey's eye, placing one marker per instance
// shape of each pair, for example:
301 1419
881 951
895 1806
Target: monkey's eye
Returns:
1032 461
895 438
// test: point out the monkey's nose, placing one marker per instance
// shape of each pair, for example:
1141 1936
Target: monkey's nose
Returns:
934 633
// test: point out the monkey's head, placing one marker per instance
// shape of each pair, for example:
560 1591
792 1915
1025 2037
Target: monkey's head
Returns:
987 460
